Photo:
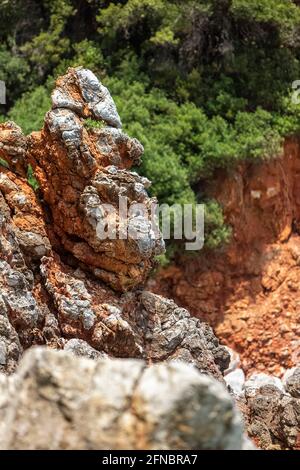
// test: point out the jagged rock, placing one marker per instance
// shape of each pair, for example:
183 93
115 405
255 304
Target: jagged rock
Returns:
271 409
83 173
56 271
23 211
256 381
58 401
13 147
170 332
134 325
271 412
274 418
10 347
21 317
81 348
292 383
63 285
116 147
82 92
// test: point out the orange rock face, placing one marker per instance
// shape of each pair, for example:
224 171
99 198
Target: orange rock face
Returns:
81 170
13 146
249 292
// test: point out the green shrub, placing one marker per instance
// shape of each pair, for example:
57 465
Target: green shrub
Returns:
217 233
4 163
32 181
203 84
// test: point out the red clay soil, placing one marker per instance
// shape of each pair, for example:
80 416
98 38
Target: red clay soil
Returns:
250 291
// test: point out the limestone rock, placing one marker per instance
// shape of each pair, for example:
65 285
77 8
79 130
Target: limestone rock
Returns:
56 271
82 92
170 332
274 418
256 381
65 286
13 147
63 402
81 348
21 315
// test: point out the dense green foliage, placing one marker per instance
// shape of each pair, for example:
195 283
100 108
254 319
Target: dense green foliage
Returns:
201 83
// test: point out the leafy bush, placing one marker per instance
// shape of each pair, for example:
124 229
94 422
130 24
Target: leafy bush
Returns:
282 14
29 111
216 232
203 84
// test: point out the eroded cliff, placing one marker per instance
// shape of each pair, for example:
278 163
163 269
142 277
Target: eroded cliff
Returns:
249 292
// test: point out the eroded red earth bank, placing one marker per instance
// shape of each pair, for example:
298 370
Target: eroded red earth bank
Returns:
249 292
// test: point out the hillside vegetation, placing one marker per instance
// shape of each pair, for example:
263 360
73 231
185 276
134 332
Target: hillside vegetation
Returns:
201 83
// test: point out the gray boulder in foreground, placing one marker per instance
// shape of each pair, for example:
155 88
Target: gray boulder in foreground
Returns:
56 400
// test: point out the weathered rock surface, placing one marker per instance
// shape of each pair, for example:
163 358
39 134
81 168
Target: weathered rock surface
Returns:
58 401
82 171
257 381
63 285
13 146
274 414
270 406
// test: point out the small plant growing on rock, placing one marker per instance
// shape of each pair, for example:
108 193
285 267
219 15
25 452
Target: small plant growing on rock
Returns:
32 181
4 163
91 124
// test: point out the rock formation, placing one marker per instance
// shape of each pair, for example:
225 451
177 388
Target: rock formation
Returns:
60 283
64 286
272 410
80 171
270 405
249 290
58 401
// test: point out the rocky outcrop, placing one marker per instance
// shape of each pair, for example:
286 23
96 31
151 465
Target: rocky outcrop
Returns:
270 405
61 283
58 401
65 285
272 411
84 173
249 291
